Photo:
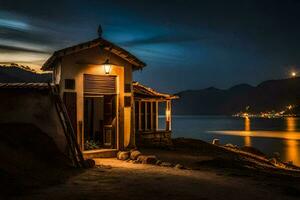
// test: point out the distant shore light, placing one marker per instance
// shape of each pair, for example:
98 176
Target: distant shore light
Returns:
293 74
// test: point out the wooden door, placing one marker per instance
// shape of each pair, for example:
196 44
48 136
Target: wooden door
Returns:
110 120
70 100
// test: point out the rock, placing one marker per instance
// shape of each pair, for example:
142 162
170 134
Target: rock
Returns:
135 162
132 150
135 154
179 166
230 146
273 161
89 163
166 164
147 159
123 155
216 142
158 162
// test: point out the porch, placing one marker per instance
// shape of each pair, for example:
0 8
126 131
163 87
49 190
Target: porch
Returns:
153 116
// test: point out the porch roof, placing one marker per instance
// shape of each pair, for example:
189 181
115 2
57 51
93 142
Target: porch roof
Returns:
143 92
137 64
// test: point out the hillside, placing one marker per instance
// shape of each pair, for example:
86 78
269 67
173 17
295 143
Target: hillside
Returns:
267 96
17 74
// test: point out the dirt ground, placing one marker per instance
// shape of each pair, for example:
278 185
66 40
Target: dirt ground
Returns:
211 172
113 179
29 159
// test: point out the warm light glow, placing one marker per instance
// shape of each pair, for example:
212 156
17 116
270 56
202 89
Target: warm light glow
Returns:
247 138
290 124
289 107
293 74
107 67
168 114
247 124
292 149
247 141
246 115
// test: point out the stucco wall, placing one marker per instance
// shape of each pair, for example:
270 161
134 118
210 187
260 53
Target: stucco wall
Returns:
89 61
35 107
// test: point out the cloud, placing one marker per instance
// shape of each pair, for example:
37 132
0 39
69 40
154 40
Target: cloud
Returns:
14 24
23 57
5 48
27 46
164 39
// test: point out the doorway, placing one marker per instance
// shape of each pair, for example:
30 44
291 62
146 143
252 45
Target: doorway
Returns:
100 122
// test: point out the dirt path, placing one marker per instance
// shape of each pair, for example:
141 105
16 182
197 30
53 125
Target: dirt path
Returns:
114 179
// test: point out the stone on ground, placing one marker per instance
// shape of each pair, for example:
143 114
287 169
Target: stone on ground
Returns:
179 166
123 155
166 164
158 162
273 161
230 146
135 154
135 162
151 159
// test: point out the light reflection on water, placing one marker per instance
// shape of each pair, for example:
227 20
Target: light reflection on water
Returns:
268 135
247 138
292 149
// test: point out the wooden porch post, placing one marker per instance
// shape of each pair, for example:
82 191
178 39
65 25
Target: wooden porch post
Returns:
156 117
151 116
139 117
146 113
170 115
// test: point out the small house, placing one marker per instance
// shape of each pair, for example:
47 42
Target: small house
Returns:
107 111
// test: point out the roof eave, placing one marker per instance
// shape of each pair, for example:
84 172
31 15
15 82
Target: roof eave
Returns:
137 64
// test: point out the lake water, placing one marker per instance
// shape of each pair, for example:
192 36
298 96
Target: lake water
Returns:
268 135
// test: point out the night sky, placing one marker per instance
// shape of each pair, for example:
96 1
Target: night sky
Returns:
186 44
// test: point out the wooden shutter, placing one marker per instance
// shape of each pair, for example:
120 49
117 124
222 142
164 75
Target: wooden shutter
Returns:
99 84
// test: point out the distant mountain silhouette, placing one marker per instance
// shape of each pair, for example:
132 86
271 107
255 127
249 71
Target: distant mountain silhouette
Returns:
17 74
267 96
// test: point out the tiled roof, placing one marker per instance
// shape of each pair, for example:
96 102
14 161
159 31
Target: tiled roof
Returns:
141 91
138 64
39 86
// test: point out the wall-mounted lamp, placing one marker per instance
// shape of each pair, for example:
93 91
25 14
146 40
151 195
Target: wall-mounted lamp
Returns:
107 66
